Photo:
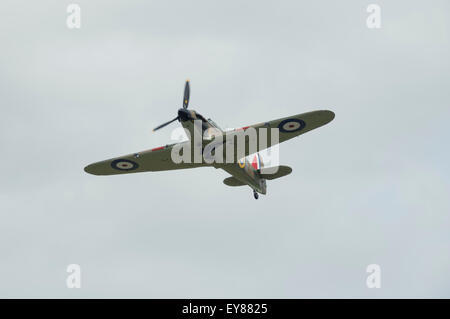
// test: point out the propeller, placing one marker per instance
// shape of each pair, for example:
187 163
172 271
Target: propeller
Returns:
182 113
187 91
167 123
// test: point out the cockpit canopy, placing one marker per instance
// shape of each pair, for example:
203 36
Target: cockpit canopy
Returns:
213 124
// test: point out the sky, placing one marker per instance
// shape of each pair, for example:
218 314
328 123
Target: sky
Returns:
371 187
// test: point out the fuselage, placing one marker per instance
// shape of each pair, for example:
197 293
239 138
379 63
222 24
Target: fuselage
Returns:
245 171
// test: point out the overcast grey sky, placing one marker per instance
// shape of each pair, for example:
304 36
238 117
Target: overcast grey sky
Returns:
371 187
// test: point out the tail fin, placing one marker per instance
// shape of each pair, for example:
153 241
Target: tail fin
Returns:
275 172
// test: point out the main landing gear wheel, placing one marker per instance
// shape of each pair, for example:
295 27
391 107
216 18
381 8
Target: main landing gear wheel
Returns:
255 194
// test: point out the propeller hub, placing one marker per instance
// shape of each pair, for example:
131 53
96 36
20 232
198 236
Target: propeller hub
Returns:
184 114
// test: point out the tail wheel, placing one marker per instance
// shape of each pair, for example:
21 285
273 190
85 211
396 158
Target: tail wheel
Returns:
255 194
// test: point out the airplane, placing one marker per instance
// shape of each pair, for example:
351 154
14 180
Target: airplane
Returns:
242 170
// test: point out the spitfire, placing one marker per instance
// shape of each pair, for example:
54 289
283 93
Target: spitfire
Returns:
212 139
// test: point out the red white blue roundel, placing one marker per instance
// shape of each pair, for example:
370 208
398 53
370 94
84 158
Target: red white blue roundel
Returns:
124 165
291 125
241 163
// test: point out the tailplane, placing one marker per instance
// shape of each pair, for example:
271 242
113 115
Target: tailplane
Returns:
275 172
233 181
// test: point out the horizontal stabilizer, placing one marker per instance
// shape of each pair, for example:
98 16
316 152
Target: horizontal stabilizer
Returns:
275 172
233 181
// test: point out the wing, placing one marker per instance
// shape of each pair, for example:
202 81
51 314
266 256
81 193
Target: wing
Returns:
296 125
156 159
289 127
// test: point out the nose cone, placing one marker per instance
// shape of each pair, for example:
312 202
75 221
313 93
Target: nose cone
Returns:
184 114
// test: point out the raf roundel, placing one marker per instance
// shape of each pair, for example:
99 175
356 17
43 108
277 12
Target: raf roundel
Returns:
291 125
124 165
241 163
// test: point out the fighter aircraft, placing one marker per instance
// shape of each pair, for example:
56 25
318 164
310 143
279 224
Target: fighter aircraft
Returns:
243 171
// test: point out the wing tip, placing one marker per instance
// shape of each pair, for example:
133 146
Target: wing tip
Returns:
323 117
90 170
328 115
